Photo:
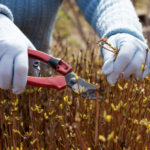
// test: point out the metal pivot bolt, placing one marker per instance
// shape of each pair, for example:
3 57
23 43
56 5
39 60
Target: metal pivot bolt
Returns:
73 81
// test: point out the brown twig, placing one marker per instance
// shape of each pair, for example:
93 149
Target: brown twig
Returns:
147 50
97 116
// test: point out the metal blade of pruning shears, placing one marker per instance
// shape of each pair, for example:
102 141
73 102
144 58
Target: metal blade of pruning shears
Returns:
89 89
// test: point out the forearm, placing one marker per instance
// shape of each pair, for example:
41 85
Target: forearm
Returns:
109 17
7 12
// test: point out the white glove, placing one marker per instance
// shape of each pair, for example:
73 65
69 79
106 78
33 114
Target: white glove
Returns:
131 56
13 56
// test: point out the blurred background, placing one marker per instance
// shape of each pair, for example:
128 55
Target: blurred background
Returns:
72 29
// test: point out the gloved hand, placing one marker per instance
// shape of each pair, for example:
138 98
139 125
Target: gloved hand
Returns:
13 56
131 56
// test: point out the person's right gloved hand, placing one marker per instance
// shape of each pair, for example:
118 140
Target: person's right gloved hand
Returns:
13 56
131 57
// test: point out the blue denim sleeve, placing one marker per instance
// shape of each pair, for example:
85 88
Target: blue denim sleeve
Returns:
7 12
109 17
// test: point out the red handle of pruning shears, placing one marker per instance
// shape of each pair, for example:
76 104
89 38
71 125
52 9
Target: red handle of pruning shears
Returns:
57 64
57 82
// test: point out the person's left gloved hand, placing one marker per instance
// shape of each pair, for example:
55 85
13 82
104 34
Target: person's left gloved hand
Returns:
14 47
131 57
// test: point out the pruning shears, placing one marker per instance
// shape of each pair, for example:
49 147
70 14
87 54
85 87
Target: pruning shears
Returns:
60 82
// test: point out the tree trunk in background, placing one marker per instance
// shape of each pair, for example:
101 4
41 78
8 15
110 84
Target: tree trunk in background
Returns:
147 32
134 2
148 11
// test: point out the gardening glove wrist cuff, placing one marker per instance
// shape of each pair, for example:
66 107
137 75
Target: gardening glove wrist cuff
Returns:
5 11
